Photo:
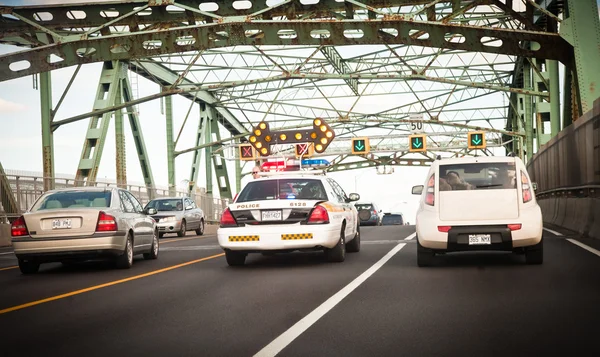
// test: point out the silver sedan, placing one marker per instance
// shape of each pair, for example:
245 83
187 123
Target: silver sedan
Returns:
84 223
176 215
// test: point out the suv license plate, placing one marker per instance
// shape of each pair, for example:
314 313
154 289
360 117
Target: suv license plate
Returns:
475 239
271 215
61 224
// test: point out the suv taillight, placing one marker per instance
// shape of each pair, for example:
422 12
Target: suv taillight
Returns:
106 223
18 228
227 219
527 192
318 215
430 193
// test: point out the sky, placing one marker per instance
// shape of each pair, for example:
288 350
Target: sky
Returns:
21 149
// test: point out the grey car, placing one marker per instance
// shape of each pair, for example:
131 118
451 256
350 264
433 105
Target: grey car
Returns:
83 223
176 215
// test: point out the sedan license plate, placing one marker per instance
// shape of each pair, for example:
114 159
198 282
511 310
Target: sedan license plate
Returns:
475 239
61 224
271 215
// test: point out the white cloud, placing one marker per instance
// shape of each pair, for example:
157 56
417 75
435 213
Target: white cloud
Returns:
11 107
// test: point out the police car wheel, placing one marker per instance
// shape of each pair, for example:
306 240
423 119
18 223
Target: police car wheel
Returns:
337 254
235 258
354 245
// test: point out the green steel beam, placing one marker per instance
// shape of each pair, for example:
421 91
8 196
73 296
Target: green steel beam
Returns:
527 107
166 77
336 60
219 165
138 138
238 173
121 161
208 149
201 133
47 134
75 50
554 98
108 90
170 146
582 30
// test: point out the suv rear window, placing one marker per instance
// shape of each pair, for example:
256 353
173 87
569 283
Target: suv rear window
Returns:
478 176
299 188
74 199
392 219
364 206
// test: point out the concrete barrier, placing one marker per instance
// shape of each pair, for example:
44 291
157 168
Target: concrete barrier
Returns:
594 231
211 228
577 214
4 235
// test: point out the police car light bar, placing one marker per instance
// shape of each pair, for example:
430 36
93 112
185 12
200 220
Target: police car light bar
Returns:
292 173
315 162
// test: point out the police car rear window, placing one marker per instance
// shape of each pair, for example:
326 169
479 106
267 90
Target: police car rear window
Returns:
478 176
283 189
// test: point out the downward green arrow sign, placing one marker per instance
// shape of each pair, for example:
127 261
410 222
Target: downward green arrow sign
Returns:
417 144
476 139
360 145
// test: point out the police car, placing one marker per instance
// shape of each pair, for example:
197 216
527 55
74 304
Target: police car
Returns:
290 211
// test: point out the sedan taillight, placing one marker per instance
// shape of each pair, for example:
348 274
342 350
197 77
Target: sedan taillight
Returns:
106 223
18 228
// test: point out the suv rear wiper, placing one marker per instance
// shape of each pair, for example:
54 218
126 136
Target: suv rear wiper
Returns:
494 185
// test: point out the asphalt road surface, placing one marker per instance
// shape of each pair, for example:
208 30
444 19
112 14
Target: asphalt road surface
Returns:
376 303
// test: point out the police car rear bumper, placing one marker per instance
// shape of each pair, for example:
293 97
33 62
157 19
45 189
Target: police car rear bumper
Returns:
280 237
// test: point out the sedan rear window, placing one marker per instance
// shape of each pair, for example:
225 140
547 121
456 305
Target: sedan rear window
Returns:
299 188
478 176
74 199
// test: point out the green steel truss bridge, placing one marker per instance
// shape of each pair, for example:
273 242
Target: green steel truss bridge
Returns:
375 68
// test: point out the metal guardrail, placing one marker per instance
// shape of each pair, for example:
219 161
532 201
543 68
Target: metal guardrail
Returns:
27 189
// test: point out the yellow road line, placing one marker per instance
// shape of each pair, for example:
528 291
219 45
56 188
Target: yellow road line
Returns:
184 239
7 268
96 287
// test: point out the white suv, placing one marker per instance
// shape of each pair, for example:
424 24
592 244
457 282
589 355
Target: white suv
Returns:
478 203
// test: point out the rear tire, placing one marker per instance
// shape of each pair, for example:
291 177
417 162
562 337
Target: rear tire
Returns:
125 260
354 245
234 258
153 253
28 267
337 254
160 235
535 253
424 255
200 230
182 231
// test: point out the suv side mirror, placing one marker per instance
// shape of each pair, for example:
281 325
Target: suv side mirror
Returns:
417 190
151 211
353 197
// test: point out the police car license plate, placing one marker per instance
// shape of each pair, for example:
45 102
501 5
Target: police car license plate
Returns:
271 215
475 239
61 224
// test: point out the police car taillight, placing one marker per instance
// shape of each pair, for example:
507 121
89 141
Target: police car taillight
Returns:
318 215
430 193
227 219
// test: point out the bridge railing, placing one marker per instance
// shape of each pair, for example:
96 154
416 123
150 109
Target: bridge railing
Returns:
27 189
567 173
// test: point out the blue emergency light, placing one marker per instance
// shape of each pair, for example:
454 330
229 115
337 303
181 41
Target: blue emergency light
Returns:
315 162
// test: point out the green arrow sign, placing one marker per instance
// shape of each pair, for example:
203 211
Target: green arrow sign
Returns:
417 143
359 145
476 139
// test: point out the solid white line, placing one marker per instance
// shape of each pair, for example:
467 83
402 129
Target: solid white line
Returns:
586 247
410 237
553 232
278 344
7 253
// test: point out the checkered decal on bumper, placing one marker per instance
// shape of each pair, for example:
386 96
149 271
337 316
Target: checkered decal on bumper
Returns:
244 238
296 236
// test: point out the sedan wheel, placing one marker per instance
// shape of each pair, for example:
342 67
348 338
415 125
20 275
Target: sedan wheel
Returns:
183 229
153 254
125 260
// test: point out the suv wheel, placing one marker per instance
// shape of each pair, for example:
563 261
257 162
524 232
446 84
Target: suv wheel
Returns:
535 253
424 255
